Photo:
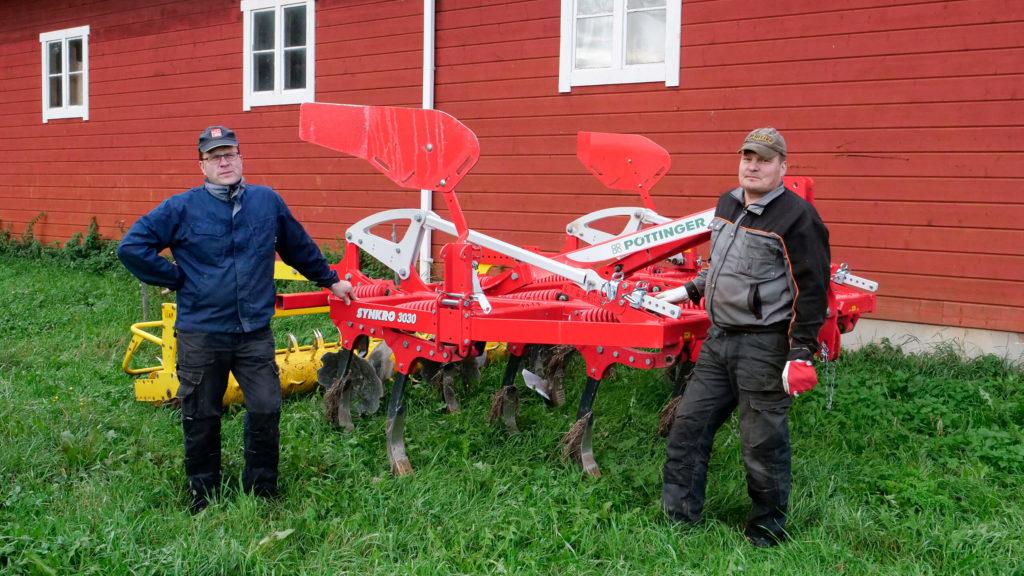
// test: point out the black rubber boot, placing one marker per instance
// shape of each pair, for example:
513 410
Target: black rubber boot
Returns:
763 537
202 459
262 438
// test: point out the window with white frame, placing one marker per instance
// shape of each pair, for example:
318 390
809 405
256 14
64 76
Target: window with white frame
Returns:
278 37
65 73
619 42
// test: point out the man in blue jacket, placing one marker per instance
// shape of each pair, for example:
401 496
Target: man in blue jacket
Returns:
223 236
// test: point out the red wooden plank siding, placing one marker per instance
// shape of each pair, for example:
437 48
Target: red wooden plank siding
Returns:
160 71
908 117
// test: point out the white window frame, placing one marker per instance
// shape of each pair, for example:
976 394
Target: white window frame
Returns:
65 110
278 95
619 73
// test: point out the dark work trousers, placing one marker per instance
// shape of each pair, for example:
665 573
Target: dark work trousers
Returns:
204 361
734 369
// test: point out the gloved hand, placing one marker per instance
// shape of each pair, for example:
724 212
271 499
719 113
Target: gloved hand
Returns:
798 377
674 295
342 289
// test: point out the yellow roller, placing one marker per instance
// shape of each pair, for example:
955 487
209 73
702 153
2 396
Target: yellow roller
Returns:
297 364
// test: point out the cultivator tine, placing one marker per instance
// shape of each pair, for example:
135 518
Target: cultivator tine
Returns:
667 416
343 411
447 386
679 375
363 387
334 366
348 379
442 377
331 377
577 443
470 370
382 361
545 373
400 465
506 400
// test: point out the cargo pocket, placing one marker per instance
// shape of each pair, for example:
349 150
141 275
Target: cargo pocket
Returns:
188 381
760 257
187 396
764 429
770 404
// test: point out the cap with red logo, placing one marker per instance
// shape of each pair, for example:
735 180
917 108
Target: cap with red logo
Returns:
215 136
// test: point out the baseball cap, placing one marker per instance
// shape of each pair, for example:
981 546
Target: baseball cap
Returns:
765 142
215 136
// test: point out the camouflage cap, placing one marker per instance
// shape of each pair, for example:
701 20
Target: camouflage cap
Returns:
765 142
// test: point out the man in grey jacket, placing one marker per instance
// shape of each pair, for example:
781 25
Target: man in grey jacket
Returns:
765 292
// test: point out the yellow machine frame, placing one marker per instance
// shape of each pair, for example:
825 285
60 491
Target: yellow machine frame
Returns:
298 364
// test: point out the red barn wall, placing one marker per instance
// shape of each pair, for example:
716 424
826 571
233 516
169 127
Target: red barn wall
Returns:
908 117
160 72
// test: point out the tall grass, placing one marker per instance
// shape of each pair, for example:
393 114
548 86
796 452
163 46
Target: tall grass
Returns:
916 469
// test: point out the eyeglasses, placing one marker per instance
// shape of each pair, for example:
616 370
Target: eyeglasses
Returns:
230 157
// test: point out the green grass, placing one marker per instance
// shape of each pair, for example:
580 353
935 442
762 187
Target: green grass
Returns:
916 469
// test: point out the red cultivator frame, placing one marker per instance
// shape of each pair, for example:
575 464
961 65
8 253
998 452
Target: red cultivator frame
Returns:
595 296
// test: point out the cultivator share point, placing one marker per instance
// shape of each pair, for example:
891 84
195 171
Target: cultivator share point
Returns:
594 298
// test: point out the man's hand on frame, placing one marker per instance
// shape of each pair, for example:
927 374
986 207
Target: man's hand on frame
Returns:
674 295
342 289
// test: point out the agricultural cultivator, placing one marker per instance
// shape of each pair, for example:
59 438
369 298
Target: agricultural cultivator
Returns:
596 297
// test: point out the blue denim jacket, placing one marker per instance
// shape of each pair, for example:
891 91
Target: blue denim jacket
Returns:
224 265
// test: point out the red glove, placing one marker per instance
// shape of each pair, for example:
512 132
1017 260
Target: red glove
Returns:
798 377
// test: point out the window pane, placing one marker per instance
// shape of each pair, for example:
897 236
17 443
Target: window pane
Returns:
263 30
56 99
75 89
592 7
263 72
594 42
295 26
56 61
632 4
294 69
645 37
75 55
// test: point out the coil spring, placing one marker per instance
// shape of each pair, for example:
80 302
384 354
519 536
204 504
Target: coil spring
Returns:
419 305
371 290
689 305
538 295
596 315
548 278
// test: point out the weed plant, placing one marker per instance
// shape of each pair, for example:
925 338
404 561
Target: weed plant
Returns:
89 251
916 469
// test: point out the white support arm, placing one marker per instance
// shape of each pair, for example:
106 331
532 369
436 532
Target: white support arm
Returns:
399 255
581 227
